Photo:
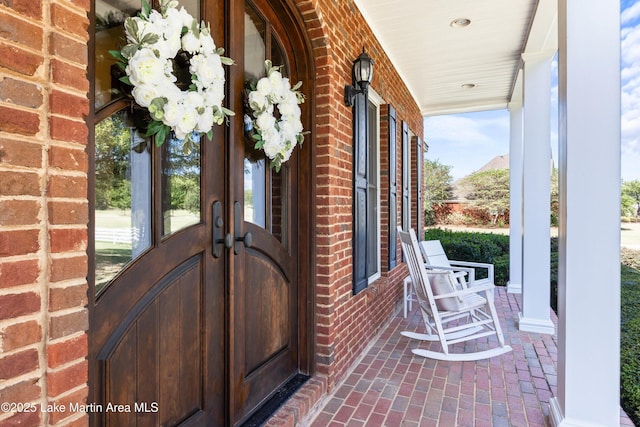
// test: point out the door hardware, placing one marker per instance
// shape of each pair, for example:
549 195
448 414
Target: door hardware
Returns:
247 239
218 233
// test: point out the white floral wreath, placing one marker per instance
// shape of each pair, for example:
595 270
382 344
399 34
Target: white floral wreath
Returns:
274 120
155 39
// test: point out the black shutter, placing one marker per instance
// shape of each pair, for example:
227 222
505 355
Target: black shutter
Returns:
406 169
419 184
360 168
393 189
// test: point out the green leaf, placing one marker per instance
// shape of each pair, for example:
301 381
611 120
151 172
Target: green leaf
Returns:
146 9
150 39
210 134
162 135
297 86
116 54
228 112
131 28
227 61
129 50
195 29
125 80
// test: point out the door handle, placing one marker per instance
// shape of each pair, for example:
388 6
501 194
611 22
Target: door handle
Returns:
218 231
247 239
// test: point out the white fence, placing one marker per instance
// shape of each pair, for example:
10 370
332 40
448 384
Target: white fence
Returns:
117 235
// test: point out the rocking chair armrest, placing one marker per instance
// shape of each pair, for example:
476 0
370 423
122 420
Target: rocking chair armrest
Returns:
464 270
486 265
476 289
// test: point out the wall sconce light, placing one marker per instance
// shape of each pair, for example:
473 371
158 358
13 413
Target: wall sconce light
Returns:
362 74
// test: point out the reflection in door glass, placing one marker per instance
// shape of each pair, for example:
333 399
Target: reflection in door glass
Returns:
254 192
110 17
123 196
180 184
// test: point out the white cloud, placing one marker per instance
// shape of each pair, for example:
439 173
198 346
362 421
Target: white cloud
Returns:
630 13
630 92
468 141
464 131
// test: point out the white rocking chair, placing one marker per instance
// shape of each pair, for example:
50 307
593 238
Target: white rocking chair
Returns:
441 302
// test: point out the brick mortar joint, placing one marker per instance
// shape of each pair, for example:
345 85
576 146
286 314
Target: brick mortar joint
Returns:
65 366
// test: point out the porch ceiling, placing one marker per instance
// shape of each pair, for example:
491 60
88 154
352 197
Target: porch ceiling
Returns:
436 59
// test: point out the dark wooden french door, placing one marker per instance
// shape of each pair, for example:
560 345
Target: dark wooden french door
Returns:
201 314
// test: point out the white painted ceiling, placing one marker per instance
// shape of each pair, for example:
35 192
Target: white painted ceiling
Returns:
436 59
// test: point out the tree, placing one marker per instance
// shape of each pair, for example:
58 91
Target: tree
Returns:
631 189
437 183
112 158
488 191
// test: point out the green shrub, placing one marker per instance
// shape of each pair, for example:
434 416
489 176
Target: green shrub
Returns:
501 270
478 247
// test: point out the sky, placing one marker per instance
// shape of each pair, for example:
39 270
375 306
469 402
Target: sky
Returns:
466 142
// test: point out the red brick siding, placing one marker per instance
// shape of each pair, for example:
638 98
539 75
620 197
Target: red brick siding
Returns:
43 207
346 323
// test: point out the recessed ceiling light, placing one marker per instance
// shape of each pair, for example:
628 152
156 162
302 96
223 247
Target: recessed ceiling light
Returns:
468 85
460 22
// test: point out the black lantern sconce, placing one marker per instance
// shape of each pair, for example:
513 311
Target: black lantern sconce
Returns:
362 74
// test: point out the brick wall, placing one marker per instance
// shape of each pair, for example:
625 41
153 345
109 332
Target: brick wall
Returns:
43 208
345 323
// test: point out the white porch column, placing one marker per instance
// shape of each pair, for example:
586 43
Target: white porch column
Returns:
589 221
515 192
536 258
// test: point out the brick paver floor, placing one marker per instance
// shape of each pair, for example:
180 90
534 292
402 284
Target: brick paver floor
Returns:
389 386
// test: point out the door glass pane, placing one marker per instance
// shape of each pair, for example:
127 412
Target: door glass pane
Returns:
122 197
180 185
254 43
110 17
265 190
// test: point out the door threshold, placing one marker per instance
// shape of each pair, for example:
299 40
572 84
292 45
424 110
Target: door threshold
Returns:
288 389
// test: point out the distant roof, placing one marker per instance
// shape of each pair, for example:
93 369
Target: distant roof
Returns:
498 162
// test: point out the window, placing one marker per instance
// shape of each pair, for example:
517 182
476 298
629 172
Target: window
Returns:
407 137
373 187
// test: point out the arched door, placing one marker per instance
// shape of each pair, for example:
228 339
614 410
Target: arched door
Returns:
266 310
186 329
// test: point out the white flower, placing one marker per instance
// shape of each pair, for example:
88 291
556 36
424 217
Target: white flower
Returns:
172 112
187 19
264 86
257 101
145 68
144 94
277 87
286 155
205 120
187 122
287 131
213 96
265 121
190 42
286 109
193 100
208 46
208 69
271 140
